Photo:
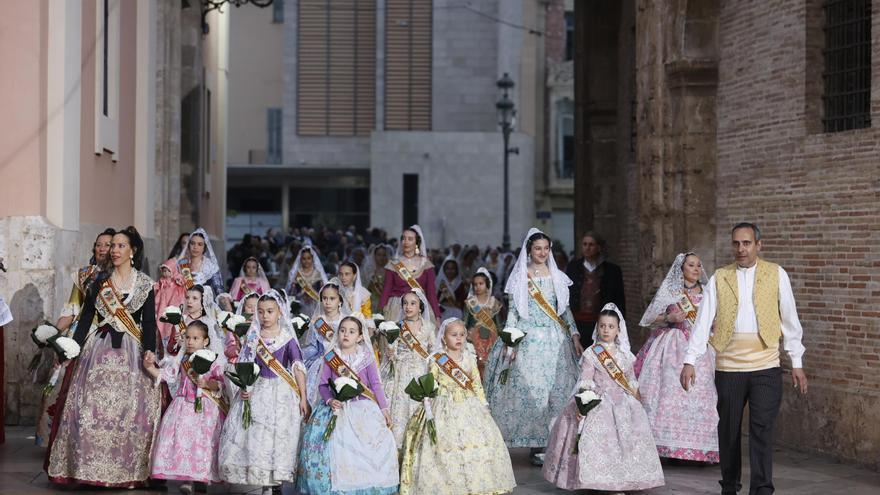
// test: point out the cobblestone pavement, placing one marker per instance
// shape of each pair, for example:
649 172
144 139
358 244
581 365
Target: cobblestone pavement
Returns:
795 474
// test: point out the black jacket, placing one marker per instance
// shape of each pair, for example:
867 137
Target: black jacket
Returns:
611 289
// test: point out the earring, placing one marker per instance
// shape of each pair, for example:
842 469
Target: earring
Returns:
131 259
417 251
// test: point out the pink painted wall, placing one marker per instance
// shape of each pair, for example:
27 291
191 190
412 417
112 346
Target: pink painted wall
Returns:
22 100
107 188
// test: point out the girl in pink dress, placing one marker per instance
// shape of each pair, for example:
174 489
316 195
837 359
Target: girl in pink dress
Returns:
170 290
684 423
251 279
188 440
615 448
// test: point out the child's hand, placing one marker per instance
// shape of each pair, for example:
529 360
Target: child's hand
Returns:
202 383
245 395
304 409
675 316
387 417
149 359
576 341
335 404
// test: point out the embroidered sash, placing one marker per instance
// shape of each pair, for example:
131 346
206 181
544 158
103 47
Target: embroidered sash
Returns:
324 328
688 307
120 319
451 369
409 338
535 292
84 274
482 315
220 401
186 271
407 276
607 361
336 363
276 367
306 287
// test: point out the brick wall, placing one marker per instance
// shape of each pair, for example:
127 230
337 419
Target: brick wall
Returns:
817 199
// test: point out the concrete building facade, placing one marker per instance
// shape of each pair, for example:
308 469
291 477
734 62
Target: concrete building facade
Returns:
734 120
424 71
106 133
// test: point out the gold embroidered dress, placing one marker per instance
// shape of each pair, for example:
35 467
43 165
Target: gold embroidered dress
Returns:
470 456
109 421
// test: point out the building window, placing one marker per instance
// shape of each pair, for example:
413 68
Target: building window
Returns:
564 139
408 59
273 132
336 67
410 199
278 11
107 77
847 75
569 35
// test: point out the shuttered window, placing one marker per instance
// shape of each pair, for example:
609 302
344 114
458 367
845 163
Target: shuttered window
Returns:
408 33
336 67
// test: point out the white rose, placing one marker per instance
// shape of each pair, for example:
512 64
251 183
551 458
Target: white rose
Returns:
342 381
234 321
206 354
515 333
388 325
69 346
586 396
298 322
303 316
45 332
222 316
171 310
256 369
378 317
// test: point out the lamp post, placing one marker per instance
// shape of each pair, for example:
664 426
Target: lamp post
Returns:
506 119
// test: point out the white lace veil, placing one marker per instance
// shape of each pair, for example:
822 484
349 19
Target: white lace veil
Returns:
622 335
249 348
260 272
670 290
422 244
483 271
239 308
365 354
215 333
441 275
210 265
517 283
359 293
370 266
316 261
428 314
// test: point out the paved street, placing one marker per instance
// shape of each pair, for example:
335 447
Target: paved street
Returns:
796 474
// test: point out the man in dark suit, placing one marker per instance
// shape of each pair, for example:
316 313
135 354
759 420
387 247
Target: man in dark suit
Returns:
596 283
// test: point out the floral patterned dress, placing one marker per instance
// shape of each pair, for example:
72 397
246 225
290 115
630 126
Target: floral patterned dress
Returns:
470 456
188 440
684 423
616 449
401 365
479 335
541 377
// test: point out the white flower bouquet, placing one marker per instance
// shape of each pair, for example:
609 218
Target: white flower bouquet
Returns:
423 389
511 337
300 324
244 377
585 400
200 364
172 315
344 389
391 331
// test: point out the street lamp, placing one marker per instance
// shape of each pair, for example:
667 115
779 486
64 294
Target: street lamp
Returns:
506 119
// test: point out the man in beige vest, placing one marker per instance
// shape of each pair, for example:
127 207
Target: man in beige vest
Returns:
747 308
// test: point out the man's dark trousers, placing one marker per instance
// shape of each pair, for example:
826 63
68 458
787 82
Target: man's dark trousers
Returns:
762 390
